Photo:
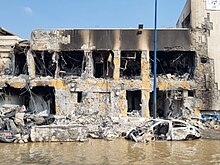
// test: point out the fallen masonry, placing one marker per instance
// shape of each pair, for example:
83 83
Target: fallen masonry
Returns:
20 126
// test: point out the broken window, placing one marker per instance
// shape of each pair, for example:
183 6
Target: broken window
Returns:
45 64
79 97
130 66
175 63
160 130
134 103
20 65
37 99
191 93
20 59
103 64
71 63
177 124
169 103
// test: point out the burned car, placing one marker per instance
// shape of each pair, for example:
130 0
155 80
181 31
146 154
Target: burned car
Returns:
161 129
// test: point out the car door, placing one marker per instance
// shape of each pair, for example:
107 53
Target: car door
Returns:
179 130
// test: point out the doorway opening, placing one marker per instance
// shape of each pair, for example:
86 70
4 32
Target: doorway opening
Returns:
134 103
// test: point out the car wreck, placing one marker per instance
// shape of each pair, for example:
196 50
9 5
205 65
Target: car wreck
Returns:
163 129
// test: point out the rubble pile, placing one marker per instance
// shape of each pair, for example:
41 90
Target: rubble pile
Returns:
24 126
210 126
20 126
17 122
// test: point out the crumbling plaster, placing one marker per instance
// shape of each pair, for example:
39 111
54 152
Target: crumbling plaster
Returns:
5 47
204 25
92 88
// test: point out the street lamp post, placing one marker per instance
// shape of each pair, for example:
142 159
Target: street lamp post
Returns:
155 63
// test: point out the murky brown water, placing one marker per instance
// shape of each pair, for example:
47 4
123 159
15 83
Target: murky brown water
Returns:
119 151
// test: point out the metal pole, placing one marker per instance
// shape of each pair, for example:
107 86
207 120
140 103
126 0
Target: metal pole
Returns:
155 62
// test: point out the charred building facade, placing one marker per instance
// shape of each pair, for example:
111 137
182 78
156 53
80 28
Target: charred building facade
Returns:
64 71
106 70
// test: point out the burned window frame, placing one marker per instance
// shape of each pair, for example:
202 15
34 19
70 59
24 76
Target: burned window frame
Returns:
71 63
19 58
129 59
183 63
105 58
45 64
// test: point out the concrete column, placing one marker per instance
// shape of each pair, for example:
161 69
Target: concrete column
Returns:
55 60
89 69
145 66
31 64
145 97
117 56
145 77
121 103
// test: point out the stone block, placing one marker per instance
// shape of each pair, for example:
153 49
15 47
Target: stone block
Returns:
56 133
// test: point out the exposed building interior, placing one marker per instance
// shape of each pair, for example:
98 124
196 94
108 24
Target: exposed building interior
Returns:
35 100
45 65
71 63
133 102
20 58
130 66
169 103
177 63
103 64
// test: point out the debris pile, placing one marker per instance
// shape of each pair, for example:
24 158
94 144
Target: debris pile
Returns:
16 123
211 120
210 126
19 125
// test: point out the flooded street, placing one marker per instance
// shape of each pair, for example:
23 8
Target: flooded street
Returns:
118 151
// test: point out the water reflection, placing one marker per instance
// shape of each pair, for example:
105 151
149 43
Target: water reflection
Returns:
118 151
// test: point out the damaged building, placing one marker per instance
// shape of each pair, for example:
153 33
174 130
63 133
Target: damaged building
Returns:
63 71
99 70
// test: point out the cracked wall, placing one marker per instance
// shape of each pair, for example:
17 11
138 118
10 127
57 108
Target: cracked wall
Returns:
204 25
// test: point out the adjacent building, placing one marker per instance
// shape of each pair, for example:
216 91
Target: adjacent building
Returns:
7 39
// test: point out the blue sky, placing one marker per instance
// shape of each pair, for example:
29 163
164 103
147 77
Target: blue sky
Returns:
22 16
